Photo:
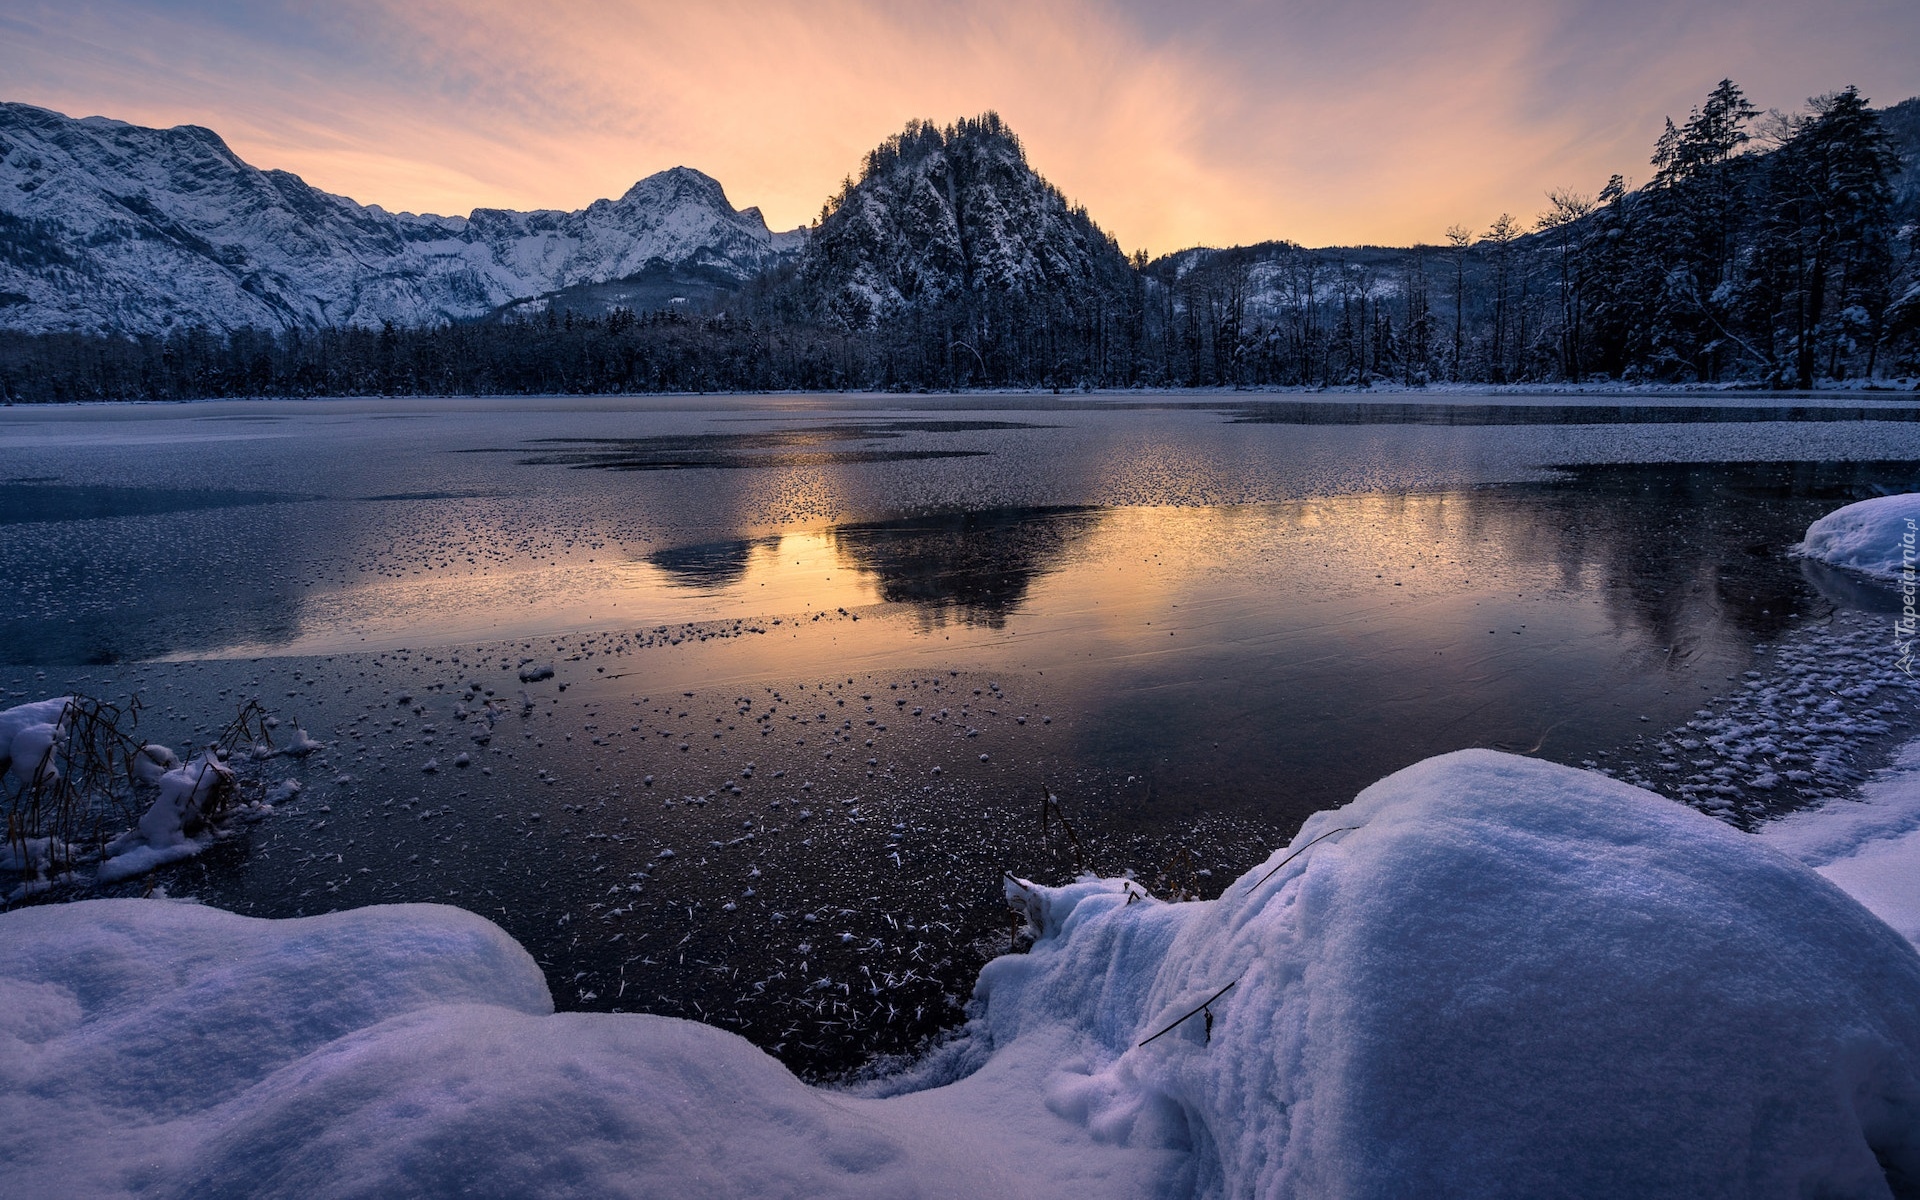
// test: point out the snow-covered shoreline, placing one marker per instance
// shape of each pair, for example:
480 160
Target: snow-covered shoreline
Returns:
1487 975
1895 394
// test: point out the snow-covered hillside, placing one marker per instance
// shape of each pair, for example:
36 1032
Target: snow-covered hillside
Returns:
106 226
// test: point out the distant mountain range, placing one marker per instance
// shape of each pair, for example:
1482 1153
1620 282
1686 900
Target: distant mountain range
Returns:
111 227
106 226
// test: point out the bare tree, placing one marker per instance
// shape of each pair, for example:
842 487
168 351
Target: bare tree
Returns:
1459 241
1559 222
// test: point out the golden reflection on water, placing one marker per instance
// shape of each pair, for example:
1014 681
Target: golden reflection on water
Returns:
1078 584
1215 651
792 575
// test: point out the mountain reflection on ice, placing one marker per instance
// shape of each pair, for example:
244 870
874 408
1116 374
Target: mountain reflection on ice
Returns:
975 568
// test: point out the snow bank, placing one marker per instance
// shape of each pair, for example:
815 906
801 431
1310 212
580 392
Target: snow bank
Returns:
1489 976
1869 846
1876 537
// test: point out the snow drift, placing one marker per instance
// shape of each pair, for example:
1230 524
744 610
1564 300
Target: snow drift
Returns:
1487 976
1876 537
1869 845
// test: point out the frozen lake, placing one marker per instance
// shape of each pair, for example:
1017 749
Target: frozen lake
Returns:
833 651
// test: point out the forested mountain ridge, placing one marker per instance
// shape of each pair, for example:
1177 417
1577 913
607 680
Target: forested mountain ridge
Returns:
1902 122
111 227
1772 248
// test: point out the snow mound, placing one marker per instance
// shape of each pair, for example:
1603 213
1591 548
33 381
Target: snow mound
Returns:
1876 537
174 827
1487 976
163 1047
1511 979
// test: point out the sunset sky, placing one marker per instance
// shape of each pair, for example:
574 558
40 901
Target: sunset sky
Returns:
1176 123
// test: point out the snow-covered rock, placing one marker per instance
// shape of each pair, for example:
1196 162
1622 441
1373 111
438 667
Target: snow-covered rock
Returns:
1513 978
27 735
1878 537
185 795
1488 976
106 226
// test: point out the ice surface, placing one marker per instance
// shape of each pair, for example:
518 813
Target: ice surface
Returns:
1486 976
1876 537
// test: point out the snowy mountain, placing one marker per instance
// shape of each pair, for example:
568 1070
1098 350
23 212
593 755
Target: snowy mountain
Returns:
953 216
106 226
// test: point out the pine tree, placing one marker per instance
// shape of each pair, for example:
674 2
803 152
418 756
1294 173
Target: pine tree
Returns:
1824 252
1459 241
1698 205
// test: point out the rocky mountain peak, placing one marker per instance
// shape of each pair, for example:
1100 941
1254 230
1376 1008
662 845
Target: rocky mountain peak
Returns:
939 215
